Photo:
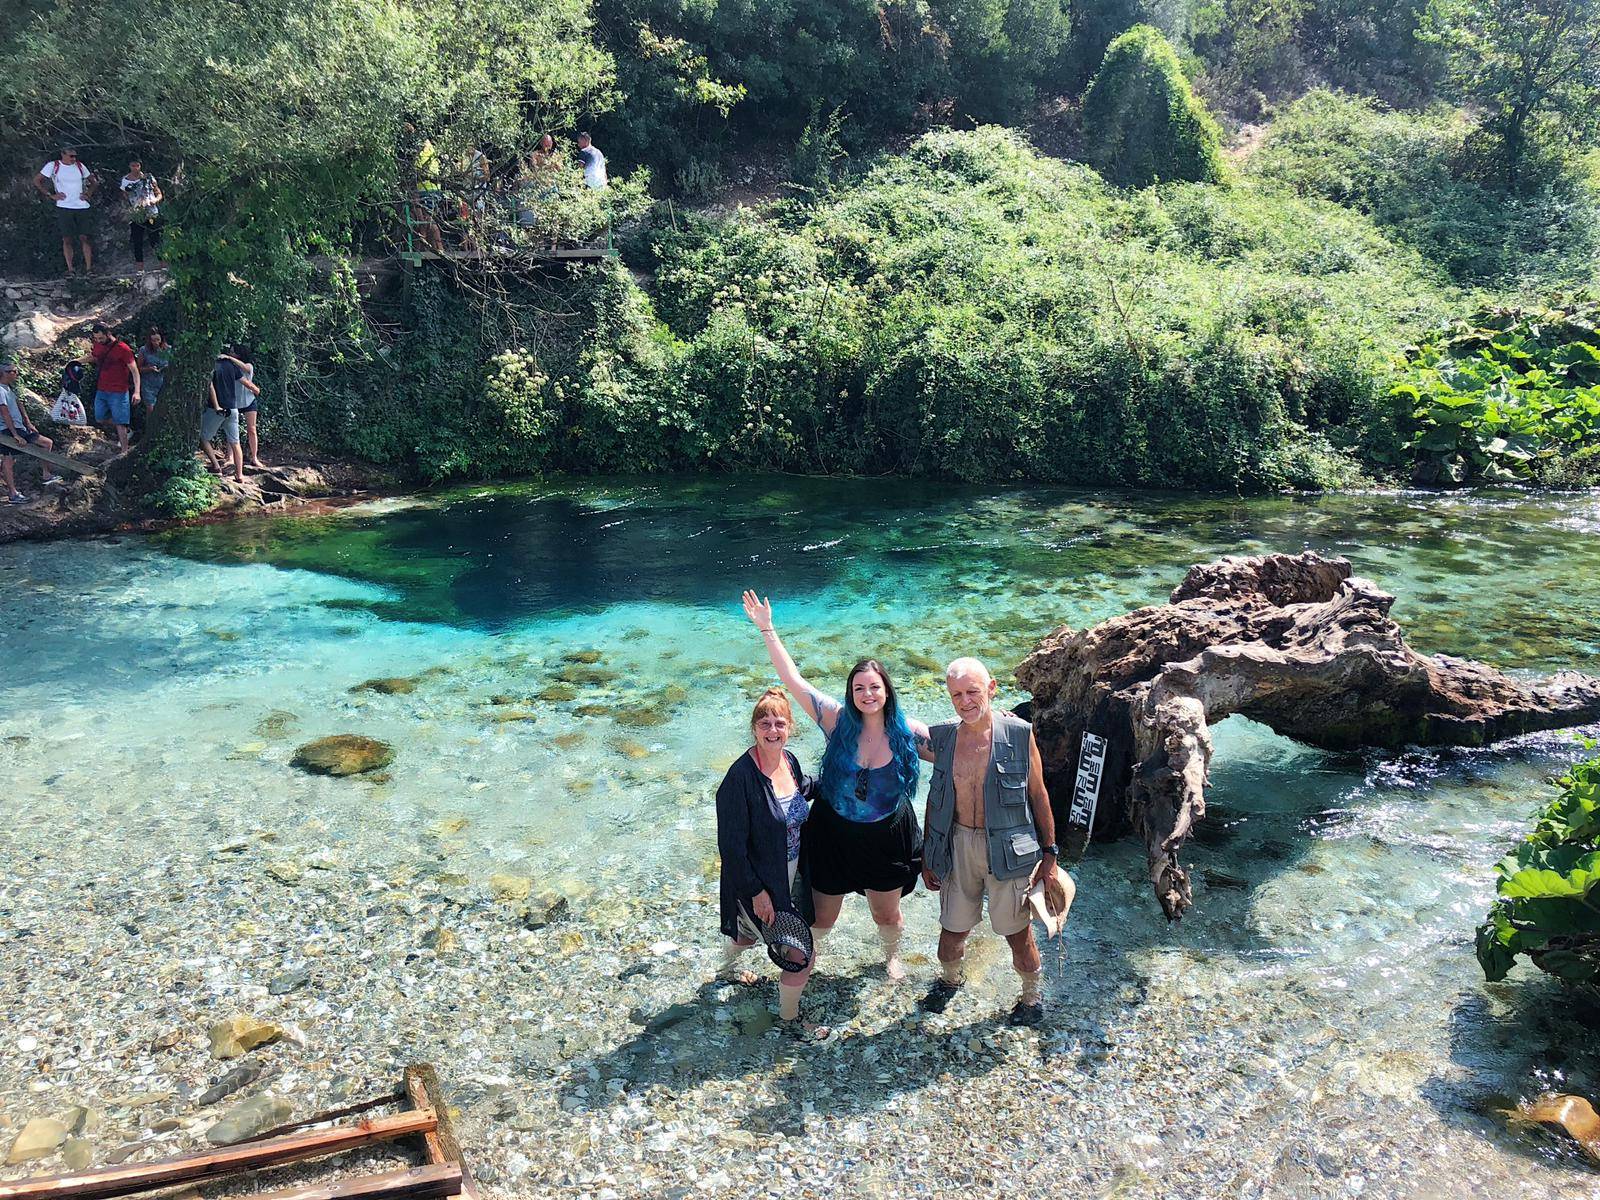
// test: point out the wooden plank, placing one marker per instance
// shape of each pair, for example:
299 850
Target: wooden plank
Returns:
60 461
425 1092
226 1160
414 1183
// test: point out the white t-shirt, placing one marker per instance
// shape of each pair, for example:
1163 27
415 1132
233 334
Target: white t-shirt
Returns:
69 179
8 399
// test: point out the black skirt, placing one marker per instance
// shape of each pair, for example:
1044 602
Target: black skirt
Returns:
852 856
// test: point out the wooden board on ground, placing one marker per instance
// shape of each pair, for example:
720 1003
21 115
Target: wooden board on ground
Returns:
128 1178
59 461
424 1092
412 1183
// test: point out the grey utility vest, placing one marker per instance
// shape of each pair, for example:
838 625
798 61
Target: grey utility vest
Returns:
1007 818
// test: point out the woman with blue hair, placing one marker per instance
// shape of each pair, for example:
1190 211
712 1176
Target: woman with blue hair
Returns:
862 836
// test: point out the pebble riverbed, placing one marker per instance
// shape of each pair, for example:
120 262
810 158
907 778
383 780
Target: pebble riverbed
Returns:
1316 1028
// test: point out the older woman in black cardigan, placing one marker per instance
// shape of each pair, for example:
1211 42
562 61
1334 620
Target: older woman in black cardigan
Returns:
761 806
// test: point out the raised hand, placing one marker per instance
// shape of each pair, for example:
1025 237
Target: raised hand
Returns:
758 610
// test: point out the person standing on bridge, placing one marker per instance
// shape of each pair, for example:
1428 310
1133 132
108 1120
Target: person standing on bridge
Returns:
594 163
14 423
990 835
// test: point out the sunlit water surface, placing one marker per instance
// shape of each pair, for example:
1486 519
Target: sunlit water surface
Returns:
157 688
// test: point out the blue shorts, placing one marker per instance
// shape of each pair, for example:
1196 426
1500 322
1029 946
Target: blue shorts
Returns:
113 407
150 388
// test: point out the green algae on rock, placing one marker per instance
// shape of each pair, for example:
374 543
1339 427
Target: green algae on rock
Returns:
394 685
343 754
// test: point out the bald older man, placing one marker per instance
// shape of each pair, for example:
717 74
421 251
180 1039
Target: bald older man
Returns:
988 834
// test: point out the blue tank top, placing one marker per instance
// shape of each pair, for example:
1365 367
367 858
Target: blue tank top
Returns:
870 794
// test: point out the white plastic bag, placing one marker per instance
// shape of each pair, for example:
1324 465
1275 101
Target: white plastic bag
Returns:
68 410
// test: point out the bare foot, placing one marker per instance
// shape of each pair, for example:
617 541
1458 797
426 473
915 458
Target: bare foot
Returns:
893 968
257 466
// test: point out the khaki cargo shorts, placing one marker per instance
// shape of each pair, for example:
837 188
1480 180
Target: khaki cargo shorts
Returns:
961 894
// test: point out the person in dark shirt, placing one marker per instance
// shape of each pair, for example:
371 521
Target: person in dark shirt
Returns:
222 412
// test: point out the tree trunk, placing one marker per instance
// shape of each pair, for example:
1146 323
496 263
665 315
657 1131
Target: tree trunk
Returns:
1294 642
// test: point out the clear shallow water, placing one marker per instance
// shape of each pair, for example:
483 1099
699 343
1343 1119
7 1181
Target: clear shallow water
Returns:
167 681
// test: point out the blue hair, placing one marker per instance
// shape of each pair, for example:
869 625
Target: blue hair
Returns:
839 759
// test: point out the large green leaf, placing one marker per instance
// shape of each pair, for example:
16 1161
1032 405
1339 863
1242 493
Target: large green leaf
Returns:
1553 874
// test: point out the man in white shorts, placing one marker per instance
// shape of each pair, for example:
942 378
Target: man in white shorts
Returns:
988 834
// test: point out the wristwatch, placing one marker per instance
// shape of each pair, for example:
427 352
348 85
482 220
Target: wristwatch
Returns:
1053 850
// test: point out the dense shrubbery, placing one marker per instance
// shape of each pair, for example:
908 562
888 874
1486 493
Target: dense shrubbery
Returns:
968 310
1142 123
702 79
1509 395
1546 889
1412 173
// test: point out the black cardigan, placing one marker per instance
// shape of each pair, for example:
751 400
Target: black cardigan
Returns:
754 844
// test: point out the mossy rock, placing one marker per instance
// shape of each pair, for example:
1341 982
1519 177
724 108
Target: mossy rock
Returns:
922 662
630 748
593 710
558 693
586 676
581 656
394 685
503 698
515 714
343 754
566 741
673 693
276 724
640 718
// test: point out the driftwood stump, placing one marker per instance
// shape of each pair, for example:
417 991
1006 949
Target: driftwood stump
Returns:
1294 642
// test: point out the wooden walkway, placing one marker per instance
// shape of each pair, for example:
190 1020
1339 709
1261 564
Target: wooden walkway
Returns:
559 254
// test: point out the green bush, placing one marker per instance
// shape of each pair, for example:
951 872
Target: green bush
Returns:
1409 172
1504 396
968 309
1142 122
1546 889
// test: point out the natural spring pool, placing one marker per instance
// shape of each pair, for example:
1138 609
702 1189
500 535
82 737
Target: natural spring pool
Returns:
1317 1027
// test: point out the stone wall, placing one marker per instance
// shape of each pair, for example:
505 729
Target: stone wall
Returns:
36 312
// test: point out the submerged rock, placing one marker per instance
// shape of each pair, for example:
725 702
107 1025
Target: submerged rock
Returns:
558 693
240 1077
241 1034
243 1121
639 718
582 656
515 714
78 1153
393 685
39 1137
1573 1115
343 754
509 888
285 982
543 909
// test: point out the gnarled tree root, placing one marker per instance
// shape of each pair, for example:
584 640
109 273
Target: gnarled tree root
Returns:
1293 641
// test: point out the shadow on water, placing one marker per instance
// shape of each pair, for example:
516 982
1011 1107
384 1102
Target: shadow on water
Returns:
1514 1041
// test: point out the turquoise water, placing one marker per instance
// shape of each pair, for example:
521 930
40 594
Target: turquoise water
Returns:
167 680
